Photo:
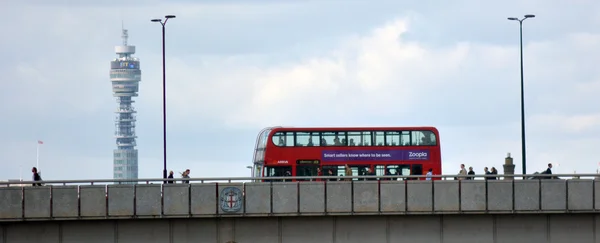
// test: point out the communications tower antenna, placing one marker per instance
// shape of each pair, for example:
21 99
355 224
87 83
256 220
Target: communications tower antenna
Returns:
124 35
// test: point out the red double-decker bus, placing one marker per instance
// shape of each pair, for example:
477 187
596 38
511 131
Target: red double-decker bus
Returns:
292 151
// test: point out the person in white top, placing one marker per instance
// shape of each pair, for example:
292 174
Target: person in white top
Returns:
429 174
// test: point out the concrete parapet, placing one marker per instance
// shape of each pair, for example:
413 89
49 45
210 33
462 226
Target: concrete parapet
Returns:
176 199
419 196
148 200
392 196
473 195
203 199
298 199
445 196
312 197
597 194
65 202
365 197
285 197
37 202
11 203
121 200
554 194
92 201
580 195
527 195
339 197
258 198
500 195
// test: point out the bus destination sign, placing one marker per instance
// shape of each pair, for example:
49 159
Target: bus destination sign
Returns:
307 162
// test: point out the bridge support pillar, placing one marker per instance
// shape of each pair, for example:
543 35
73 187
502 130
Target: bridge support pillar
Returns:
509 167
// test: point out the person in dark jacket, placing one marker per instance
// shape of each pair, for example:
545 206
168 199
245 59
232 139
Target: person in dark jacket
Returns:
170 177
471 173
486 172
36 177
548 172
494 172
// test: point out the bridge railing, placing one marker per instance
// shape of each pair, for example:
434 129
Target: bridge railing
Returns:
292 178
220 197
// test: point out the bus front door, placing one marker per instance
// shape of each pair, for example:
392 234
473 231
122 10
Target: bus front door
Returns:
307 168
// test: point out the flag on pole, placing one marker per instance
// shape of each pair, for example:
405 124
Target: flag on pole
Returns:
40 142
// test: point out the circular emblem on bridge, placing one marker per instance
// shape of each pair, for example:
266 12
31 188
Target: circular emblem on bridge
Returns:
231 199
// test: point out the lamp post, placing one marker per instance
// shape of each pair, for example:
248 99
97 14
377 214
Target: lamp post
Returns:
250 168
522 92
163 23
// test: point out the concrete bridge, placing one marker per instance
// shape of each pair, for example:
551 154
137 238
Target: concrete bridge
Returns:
230 211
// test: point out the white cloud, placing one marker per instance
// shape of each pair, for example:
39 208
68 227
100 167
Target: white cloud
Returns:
375 69
587 124
379 70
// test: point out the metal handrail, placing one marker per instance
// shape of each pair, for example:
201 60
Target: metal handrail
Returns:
287 178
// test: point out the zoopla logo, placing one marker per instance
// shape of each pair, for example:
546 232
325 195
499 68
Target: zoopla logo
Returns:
417 155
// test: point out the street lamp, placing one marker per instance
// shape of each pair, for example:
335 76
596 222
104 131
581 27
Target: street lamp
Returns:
163 23
522 95
250 168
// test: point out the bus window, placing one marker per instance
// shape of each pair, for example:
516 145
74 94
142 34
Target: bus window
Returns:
417 170
367 139
304 139
309 139
379 139
416 137
278 138
360 170
340 139
354 138
327 138
341 170
399 169
278 171
307 168
423 138
392 138
289 139
333 139
405 138
380 170
283 139
334 171
430 136
405 170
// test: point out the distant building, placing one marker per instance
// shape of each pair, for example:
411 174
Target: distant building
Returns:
125 75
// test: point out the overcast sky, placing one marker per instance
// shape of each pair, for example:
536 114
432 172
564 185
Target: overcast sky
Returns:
234 67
